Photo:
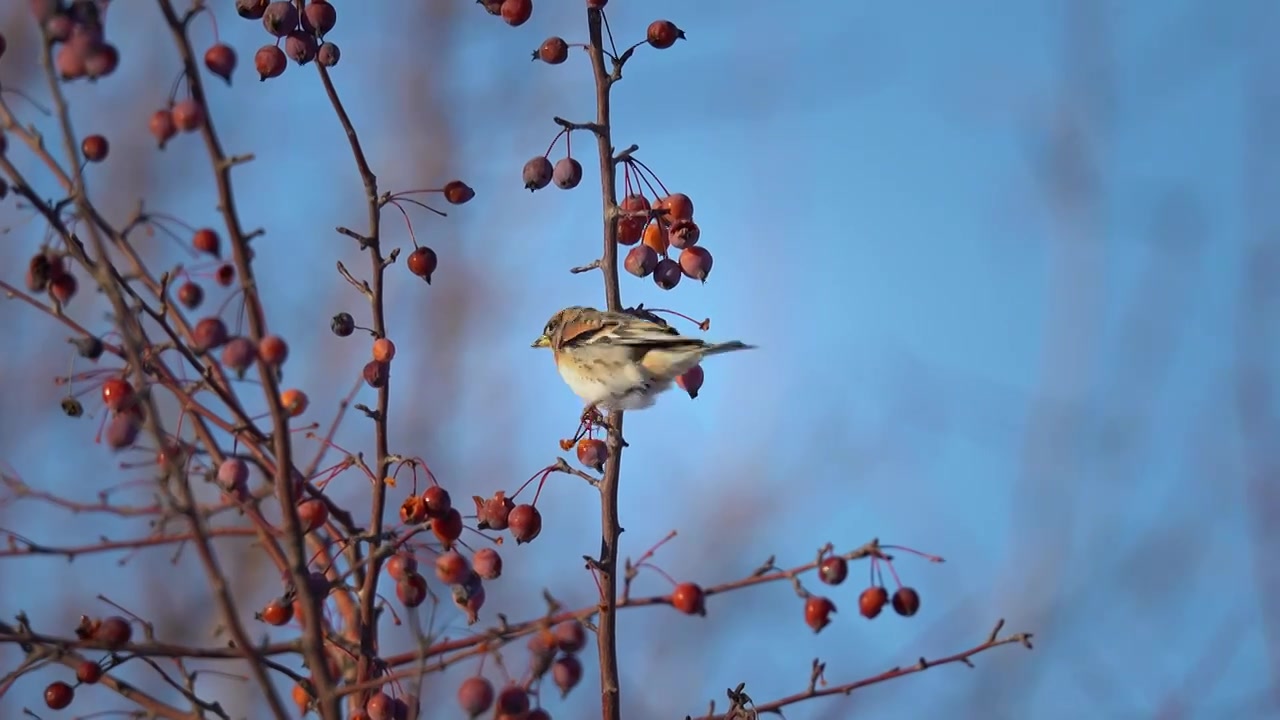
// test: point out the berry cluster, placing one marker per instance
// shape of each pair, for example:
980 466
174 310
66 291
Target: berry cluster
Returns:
111 633
303 34
78 30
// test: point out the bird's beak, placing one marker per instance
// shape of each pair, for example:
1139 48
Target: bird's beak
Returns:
541 342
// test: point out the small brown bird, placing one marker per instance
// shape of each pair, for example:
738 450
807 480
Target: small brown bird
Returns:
622 360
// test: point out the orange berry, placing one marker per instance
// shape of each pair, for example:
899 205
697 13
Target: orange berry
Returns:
312 513
383 350
206 241
413 510
88 672
678 207
663 34
117 394
690 381
592 453
422 262
273 350
817 612
94 148
294 401
689 599
655 236
695 263
276 613
301 698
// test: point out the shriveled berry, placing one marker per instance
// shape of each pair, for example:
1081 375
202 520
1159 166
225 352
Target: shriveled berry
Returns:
413 510
593 453
383 350
553 51
63 287
88 672
412 590
656 236
666 274
206 241
487 563
122 431
493 513
566 673
319 17
294 401
817 612
833 570
114 631
452 568
208 334
101 60
469 597
570 636
457 192
516 12
273 350
88 347
537 173
251 9
58 695
312 514
906 601
117 394
475 695
162 127
280 18
695 263
683 234
525 522
376 373
513 700
94 148
690 381
220 59
542 650
269 61
422 262
448 527
301 47
342 324
663 34
188 116
277 612
437 501
872 601
401 564
689 599
567 173
328 55
631 228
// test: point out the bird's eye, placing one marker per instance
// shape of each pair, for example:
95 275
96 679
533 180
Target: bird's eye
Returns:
550 328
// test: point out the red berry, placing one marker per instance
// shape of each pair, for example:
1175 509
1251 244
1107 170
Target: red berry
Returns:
58 695
209 333
400 565
277 612
833 570
493 513
269 61
280 18
94 148
458 192
570 636
379 706
273 350
592 453
872 601
190 295
567 173
516 12
233 472
422 262
695 263
312 514
475 695
221 61
525 522
513 700
301 47
383 350
553 51
437 500
101 60
206 241
115 631
487 563
630 229
566 673
683 233
319 17
906 601
452 568
412 590
666 274
117 394
448 527
469 597
225 274
663 34
239 355
70 62
162 127
63 287
122 431
188 116
817 612
88 672
690 381
537 173
376 373
328 55
251 9
689 599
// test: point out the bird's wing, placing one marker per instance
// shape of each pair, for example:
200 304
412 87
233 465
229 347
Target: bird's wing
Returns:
620 329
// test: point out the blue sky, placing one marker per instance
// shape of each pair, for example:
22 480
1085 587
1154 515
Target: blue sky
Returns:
994 259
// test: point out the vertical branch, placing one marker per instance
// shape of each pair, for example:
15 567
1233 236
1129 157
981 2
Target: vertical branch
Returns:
610 526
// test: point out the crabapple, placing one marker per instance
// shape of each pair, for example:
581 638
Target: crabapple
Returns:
101 60
567 173
537 173
233 472
906 601
475 695
872 601
312 514
570 636
251 9
695 263
833 570
277 612
566 673
422 262
513 700
683 234
342 324
493 513
294 401
161 126
452 568
437 501
383 350
188 116
273 350
301 47
487 563
58 695
457 192
631 228
662 34
328 55
516 12
88 672
413 510
817 612
525 522
206 241
689 599
656 236
114 631
319 17
412 590
239 354
94 148
63 287
553 51
376 373
280 18
666 274
448 527
690 381
269 61
401 564
592 452
117 394
469 597
220 59
209 333
122 431
678 207
379 706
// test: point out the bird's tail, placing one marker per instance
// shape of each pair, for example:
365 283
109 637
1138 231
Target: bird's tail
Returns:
725 347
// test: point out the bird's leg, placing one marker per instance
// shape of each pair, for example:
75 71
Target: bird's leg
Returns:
591 418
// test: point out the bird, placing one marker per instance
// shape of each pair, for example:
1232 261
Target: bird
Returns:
622 360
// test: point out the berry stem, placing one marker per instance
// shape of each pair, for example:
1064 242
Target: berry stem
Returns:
926 556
